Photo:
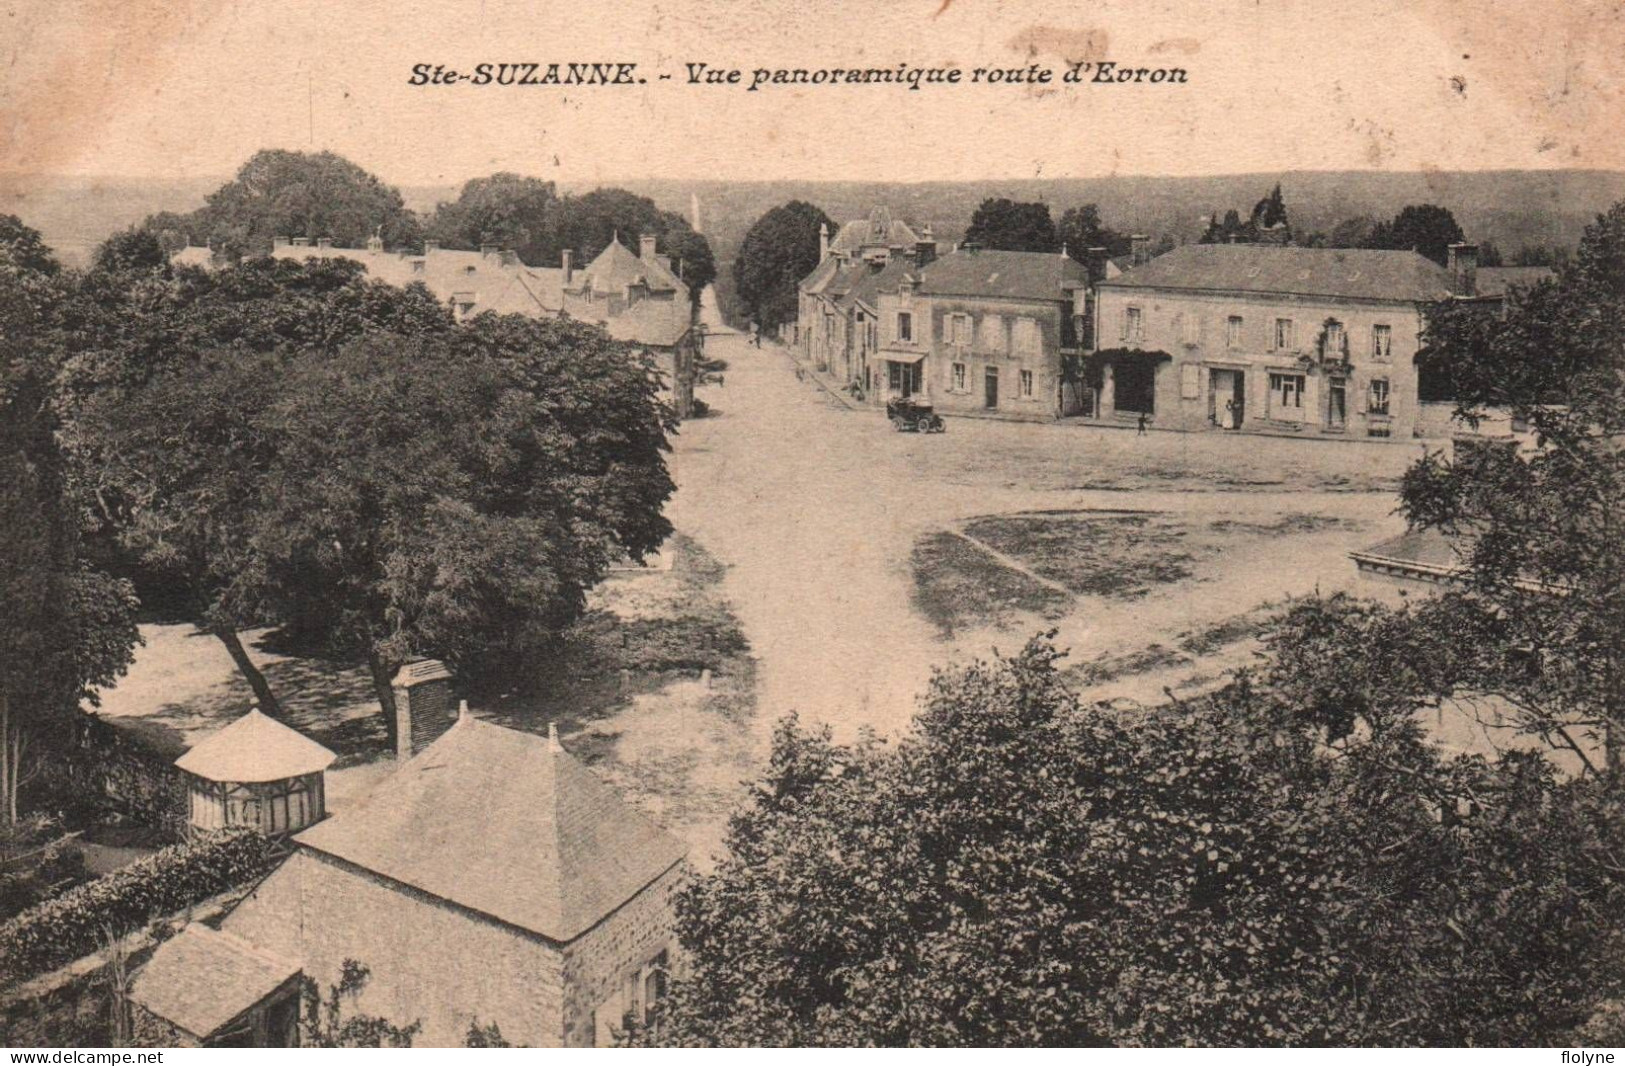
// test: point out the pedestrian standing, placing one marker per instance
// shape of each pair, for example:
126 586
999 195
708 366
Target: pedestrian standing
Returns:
1143 421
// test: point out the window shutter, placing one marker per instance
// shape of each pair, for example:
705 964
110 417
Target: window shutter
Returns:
1122 333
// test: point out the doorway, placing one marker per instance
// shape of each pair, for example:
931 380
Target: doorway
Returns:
990 388
1227 398
1337 404
903 379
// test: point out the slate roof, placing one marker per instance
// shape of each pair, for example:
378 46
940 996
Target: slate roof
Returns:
1494 281
658 323
255 748
202 979
821 275
495 285
1427 552
617 266
1349 273
868 283
507 824
880 228
1019 275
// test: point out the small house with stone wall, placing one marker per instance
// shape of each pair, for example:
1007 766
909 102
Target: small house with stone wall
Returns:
491 878
206 988
255 772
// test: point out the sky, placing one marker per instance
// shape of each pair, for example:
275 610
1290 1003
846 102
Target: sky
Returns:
185 88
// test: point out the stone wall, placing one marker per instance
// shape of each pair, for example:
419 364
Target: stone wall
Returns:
431 962
602 966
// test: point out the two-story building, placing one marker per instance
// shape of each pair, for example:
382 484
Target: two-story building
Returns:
980 332
1316 341
836 327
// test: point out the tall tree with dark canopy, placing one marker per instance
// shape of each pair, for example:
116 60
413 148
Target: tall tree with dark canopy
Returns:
166 376
779 250
1539 527
505 208
1425 228
1022 870
65 627
1007 225
1080 229
280 193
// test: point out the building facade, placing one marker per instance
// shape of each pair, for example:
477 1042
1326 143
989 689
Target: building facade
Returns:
1311 341
980 332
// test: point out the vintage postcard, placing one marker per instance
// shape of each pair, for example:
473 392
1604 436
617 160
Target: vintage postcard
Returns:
919 523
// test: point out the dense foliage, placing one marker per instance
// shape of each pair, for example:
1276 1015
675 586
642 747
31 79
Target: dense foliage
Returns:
1425 228
281 193
1023 870
1081 229
65 626
77 922
780 249
1539 526
1010 226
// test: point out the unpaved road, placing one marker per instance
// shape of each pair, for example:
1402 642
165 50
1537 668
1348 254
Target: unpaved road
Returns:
815 509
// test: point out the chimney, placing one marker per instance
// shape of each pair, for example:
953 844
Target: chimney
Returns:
1095 262
1142 248
300 242
324 242
375 244
430 246
569 265
823 241
509 257
279 242
1463 265
424 708
646 247
488 250
926 248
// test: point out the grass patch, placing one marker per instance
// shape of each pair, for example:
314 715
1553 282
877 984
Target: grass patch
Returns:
1119 556
957 585
1110 668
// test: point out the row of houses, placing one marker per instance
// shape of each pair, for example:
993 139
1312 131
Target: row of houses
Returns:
637 297
1230 337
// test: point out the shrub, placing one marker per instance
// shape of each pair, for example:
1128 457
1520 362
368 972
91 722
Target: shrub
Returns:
72 925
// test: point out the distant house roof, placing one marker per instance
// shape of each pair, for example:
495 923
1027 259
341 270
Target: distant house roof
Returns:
192 255
822 274
201 979
657 323
497 282
255 748
617 266
507 824
1495 281
880 229
1019 275
1424 554
1350 273
867 283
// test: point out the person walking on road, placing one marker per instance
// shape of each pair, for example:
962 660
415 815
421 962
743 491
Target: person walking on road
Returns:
1143 421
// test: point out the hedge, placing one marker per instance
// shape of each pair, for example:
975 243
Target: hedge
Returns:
74 924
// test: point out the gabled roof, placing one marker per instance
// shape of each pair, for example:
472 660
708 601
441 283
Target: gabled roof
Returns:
658 323
822 274
202 979
617 266
869 283
1020 275
1494 281
506 824
879 229
255 748
1352 273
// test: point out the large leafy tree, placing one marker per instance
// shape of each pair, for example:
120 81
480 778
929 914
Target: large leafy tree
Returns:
1425 228
167 374
453 495
1023 870
281 193
65 627
506 208
779 250
1539 526
1011 226
1081 229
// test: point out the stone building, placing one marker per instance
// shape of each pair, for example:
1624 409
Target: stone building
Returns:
980 332
491 878
837 315
1317 341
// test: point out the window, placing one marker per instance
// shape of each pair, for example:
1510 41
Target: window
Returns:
1287 391
1133 324
1334 340
1232 332
1190 381
1285 340
1382 343
1027 336
1378 403
1025 385
1192 328
905 327
961 336
959 377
